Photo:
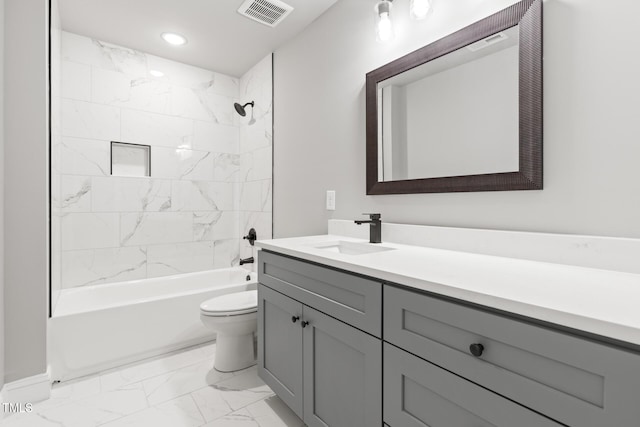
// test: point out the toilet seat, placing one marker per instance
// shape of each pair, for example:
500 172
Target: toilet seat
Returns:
233 304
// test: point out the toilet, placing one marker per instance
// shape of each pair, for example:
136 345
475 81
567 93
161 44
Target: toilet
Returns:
234 317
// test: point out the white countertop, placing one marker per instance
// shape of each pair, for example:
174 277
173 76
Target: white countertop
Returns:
602 302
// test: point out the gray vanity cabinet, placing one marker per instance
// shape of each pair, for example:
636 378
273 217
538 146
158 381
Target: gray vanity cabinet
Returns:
309 352
280 346
418 394
342 374
577 382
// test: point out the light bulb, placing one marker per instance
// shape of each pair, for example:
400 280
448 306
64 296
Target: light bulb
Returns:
419 9
384 26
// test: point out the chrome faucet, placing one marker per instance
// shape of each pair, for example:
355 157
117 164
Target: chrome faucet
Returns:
375 227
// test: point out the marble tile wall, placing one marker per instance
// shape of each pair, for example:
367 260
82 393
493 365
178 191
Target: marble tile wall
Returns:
256 148
210 168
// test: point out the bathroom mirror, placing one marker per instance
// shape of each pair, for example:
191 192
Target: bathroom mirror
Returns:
463 113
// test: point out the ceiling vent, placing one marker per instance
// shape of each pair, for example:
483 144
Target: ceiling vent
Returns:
267 12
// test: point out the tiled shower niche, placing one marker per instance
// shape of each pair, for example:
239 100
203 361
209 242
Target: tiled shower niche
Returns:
210 170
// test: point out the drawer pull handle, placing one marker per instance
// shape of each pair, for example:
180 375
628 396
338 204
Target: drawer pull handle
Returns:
294 319
476 349
304 324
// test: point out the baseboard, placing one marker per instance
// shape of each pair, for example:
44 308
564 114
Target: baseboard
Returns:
27 390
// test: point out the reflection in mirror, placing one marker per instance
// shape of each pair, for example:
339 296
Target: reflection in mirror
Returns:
455 115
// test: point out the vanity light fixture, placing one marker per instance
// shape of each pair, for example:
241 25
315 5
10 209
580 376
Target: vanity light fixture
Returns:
384 26
156 73
174 39
419 9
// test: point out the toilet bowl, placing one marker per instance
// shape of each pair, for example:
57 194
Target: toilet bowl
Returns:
234 318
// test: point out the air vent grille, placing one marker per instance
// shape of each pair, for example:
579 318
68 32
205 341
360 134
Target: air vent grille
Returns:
267 12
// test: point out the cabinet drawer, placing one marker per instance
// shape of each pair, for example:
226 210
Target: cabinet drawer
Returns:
352 299
572 380
419 394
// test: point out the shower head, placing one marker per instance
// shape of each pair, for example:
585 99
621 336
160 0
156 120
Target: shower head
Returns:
241 108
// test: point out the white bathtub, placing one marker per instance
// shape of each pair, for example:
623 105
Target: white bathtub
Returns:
100 327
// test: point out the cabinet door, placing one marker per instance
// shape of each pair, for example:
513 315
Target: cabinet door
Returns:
420 394
280 346
342 374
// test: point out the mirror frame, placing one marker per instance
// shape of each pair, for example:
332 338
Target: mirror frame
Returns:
527 14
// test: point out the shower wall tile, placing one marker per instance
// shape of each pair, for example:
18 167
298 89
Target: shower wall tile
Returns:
165 260
179 163
250 196
219 107
261 221
86 120
98 266
215 225
114 194
226 253
202 196
155 228
186 102
209 136
84 157
82 50
226 167
202 193
193 77
157 130
75 193
255 136
76 81
256 165
146 93
266 196
89 230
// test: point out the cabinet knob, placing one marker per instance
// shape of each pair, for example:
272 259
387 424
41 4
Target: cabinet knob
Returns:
476 349
304 324
294 319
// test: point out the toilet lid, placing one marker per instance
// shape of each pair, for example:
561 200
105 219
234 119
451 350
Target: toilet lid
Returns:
231 304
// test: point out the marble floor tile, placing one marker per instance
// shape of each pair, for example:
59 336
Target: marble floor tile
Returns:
182 381
180 412
180 389
27 420
229 395
137 372
70 391
272 412
99 409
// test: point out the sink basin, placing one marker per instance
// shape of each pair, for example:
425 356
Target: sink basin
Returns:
351 248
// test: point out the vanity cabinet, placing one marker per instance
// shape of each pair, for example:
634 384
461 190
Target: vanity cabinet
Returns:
324 348
325 369
574 381
418 394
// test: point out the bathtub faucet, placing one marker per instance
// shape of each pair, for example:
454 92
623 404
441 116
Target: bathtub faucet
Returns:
246 261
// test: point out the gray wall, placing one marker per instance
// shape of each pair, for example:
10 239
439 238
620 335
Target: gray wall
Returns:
591 144
1 193
26 194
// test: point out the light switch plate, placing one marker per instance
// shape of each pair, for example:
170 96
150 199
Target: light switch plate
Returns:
331 200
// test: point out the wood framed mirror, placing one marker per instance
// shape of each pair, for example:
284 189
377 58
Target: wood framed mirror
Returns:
463 113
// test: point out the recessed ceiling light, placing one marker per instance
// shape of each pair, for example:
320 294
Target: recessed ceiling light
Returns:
156 73
174 39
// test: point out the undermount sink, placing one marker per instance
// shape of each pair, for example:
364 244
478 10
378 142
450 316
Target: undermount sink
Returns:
351 248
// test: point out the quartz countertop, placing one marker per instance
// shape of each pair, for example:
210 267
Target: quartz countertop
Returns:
602 302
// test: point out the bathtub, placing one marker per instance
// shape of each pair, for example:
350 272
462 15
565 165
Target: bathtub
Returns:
104 326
